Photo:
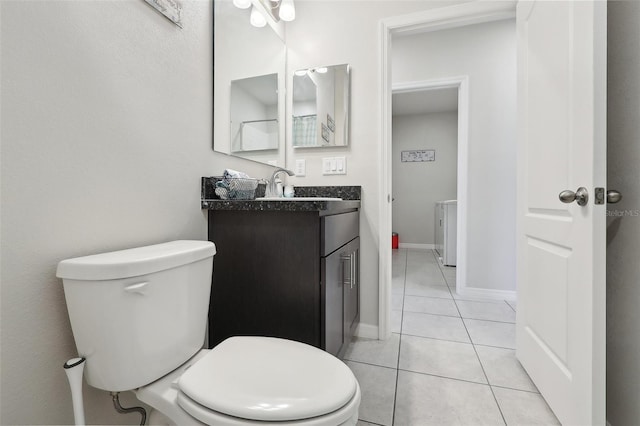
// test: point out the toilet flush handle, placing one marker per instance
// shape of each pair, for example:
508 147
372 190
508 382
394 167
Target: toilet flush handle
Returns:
138 288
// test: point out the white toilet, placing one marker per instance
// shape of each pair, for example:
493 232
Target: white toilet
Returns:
139 317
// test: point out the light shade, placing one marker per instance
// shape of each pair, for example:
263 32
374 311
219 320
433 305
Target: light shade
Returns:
242 4
257 18
287 10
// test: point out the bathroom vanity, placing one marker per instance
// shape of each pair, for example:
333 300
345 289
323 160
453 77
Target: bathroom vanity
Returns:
286 269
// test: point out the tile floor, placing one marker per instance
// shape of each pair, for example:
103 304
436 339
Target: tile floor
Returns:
449 361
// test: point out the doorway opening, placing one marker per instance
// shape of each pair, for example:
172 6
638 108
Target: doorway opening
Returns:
429 166
454 17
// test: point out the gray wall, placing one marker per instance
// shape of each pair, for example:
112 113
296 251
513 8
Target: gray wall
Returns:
417 186
106 130
623 223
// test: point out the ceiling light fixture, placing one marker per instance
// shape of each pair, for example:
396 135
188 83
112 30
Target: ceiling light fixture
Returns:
242 4
257 18
287 10
277 9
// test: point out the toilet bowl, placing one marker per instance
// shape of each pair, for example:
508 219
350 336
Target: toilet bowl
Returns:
139 317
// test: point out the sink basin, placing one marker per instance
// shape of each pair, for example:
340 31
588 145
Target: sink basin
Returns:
298 199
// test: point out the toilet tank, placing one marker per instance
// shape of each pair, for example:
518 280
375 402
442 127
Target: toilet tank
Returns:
140 313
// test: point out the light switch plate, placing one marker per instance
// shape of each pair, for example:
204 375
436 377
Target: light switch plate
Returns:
326 166
334 166
301 167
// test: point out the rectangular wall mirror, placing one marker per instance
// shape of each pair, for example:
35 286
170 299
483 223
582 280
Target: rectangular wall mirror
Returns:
254 114
320 107
248 86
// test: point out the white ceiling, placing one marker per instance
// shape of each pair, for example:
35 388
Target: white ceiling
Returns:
425 101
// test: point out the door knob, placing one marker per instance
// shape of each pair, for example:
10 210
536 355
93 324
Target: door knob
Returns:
613 196
581 196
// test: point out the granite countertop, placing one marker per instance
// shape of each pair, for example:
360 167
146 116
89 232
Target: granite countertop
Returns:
283 206
350 199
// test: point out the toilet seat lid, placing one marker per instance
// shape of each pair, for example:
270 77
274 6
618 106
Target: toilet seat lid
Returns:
269 379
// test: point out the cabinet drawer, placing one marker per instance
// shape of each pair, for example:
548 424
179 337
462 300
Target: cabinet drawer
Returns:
338 230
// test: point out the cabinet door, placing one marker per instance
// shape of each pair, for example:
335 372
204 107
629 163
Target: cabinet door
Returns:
332 280
266 275
351 289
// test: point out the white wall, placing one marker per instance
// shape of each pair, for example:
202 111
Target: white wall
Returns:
623 224
418 186
487 54
106 131
347 32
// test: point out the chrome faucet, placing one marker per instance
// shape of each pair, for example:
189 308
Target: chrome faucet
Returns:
271 190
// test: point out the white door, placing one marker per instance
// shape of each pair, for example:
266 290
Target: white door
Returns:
561 246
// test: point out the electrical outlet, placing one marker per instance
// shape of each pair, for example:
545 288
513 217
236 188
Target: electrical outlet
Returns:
301 167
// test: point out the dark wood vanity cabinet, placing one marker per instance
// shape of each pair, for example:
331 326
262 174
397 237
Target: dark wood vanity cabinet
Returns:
289 274
342 301
339 283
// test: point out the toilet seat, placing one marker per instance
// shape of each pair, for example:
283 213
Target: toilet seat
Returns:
345 416
265 379
168 396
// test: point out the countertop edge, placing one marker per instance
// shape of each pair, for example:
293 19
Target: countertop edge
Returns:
324 206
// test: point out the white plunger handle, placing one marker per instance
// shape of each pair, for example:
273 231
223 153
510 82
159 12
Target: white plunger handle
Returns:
74 369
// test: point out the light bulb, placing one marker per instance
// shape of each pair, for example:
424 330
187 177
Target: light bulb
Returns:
287 10
257 18
322 70
242 4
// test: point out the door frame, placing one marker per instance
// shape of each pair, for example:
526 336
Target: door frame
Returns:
431 20
461 83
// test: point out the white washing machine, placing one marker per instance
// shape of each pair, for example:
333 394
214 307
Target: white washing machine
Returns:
446 233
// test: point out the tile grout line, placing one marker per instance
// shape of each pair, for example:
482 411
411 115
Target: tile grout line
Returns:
453 316
480 362
517 390
443 377
370 364
433 253
404 286
486 302
457 341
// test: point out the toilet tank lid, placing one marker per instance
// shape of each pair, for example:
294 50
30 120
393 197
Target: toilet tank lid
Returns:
136 261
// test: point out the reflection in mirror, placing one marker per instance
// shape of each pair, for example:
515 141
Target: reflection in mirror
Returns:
321 107
254 114
249 75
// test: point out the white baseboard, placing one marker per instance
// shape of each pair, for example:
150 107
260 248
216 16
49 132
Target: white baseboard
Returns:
367 331
486 293
417 246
